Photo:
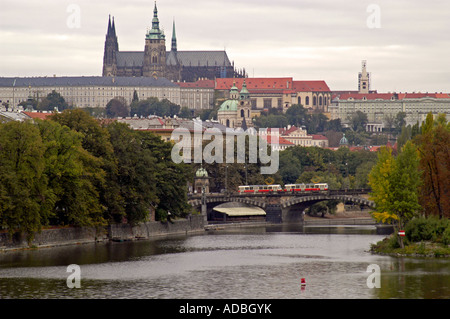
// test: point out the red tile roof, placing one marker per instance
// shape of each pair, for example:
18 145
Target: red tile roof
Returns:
310 86
38 115
284 131
281 141
273 85
318 137
255 83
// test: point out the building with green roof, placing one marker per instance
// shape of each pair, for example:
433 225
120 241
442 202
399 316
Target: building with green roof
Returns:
236 111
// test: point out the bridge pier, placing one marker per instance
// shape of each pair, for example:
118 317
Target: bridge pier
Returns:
204 209
293 214
274 213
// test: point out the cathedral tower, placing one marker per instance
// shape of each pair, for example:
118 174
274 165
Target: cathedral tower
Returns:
111 48
155 50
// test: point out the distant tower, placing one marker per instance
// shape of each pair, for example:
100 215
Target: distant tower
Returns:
363 79
174 38
155 50
173 66
244 108
201 181
111 47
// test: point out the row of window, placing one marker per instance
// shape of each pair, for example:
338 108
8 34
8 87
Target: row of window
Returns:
322 102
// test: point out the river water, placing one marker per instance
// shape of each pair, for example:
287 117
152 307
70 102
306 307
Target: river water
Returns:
260 262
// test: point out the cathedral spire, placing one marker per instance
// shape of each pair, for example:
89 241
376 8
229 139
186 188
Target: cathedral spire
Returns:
113 28
108 32
174 37
155 21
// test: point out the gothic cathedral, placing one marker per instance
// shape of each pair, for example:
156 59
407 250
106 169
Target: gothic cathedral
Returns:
155 61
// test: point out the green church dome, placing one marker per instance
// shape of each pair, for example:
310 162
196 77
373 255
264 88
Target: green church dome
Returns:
343 141
228 106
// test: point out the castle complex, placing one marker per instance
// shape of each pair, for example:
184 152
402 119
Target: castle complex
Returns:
156 61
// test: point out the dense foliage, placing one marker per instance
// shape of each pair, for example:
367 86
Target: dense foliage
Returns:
73 170
415 184
423 236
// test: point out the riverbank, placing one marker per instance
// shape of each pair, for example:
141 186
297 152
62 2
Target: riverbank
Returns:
63 236
423 237
387 247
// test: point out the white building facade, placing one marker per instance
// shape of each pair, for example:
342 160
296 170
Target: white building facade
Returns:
380 106
81 92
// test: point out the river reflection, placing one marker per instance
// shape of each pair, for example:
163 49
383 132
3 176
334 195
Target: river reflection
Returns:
259 262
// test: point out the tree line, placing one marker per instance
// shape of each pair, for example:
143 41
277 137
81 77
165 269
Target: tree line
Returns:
118 107
298 164
76 170
414 182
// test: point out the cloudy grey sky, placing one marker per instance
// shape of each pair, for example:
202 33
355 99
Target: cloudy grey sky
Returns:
406 45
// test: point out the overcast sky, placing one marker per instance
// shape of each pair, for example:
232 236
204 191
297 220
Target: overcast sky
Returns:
406 43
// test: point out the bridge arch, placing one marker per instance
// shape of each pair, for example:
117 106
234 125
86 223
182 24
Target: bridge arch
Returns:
208 205
321 197
227 199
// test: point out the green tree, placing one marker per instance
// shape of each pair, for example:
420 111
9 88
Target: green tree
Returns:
22 179
152 106
135 97
297 115
31 101
395 183
144 107
290 167
317 123
170 178
359 137
358 121
333 180
362 173
96 141
208 114
333 125
185 113
405 135
117 107
379 139
271 120
135 177
53 101
399 121
96 112
76 199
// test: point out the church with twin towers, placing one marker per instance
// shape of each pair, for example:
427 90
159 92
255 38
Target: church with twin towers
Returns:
156 61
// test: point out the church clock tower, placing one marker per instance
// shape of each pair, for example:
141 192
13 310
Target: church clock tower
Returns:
155 50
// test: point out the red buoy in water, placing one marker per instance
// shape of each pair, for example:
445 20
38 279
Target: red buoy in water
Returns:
303 281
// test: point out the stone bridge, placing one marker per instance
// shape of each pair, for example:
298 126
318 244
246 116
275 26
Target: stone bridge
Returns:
279 207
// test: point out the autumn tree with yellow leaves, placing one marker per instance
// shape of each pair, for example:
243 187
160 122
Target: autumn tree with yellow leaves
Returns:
395 187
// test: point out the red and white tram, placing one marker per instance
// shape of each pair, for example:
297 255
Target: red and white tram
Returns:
288 188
